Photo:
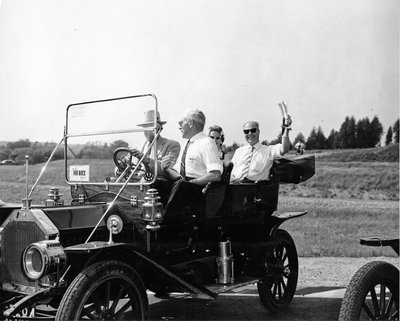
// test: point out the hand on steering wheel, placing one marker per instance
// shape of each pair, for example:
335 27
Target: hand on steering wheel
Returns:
124 157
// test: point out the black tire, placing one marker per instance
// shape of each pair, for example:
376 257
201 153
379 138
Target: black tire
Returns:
108 290
277 286
361 301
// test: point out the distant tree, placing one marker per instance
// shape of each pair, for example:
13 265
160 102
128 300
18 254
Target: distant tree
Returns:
320 140
18 154
19 144
277 140
118 143
299 138
347 133
389 136
332 142
232 148
311 142
376 132
396 131
362 129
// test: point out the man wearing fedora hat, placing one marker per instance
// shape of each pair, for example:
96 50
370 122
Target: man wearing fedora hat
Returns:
164 147
198 164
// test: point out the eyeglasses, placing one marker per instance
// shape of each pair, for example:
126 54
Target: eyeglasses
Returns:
216 137
252 130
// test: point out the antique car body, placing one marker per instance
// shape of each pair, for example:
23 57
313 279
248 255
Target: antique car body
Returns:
96 257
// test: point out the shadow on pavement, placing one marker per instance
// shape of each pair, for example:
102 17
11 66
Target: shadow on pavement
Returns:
242 307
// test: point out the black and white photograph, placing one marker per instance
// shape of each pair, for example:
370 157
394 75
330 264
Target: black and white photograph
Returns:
199 160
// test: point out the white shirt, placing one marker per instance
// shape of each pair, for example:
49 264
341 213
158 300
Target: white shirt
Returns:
202 157
261 162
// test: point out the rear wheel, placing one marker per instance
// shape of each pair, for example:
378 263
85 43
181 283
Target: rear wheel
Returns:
277 286
109 290
372 294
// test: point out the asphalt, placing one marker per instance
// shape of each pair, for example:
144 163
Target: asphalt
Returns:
309 303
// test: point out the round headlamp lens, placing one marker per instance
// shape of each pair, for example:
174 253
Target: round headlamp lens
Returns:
34 262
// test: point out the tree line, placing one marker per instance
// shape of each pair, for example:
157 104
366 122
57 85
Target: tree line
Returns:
40 152
352 134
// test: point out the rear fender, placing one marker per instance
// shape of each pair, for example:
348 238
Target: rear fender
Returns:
277 220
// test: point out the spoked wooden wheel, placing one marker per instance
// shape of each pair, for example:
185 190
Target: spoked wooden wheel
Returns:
277 286
108 290
372 294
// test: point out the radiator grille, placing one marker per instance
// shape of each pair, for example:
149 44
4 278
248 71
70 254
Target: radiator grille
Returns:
15 237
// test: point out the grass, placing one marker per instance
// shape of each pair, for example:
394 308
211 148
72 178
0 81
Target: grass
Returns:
333 227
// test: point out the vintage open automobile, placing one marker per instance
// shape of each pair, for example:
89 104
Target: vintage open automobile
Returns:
98 256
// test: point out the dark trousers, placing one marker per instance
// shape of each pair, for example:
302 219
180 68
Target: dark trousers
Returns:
183 194
163 187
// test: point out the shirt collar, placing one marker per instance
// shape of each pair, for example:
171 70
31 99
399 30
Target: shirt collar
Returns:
197 136
256 146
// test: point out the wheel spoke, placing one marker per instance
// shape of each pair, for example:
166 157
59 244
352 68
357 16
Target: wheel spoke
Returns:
120 295
107 295
88 311
395 316
279 289
389 306
122 310
382 302
283 286
285 257
368 311
280 252
274 290
375 301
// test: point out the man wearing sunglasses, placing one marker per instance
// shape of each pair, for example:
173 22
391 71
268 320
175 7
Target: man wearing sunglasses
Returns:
253 161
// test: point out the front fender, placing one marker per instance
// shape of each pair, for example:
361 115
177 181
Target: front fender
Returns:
147 266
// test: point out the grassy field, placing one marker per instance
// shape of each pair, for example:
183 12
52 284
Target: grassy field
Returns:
346 200
333 227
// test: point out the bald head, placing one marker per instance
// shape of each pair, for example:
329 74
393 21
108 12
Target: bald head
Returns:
192 123
251 132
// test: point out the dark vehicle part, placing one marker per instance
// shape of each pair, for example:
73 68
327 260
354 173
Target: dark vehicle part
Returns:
277 286
372 294
108 290
373 291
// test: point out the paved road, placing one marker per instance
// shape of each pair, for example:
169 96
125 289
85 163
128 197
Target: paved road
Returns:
319 294
322 303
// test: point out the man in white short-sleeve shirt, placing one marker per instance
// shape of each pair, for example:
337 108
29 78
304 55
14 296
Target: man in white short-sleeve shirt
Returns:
253 161
197 165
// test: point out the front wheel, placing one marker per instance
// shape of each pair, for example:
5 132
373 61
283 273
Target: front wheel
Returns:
372 294
277 286
108 290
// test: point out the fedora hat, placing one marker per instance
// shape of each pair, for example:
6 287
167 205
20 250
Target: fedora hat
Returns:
148 118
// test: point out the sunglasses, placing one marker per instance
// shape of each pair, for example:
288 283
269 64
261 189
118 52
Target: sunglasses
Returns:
246 131
214 137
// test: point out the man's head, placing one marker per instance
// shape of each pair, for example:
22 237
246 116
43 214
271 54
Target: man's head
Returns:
192 123
251 132
148 121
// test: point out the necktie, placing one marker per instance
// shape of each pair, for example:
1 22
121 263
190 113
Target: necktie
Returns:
246 166
183 161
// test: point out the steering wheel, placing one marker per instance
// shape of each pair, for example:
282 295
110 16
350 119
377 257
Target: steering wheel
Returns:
125 157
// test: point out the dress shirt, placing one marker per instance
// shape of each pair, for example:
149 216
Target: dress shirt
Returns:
261 162
202 157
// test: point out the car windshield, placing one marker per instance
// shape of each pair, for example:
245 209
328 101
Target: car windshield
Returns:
96 130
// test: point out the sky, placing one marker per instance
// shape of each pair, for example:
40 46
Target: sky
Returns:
234 60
